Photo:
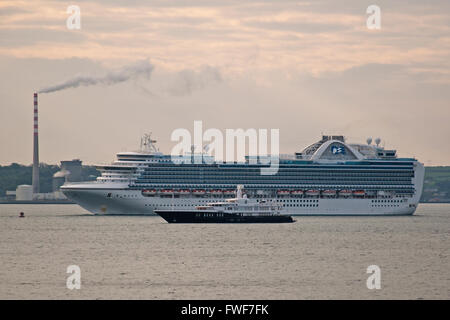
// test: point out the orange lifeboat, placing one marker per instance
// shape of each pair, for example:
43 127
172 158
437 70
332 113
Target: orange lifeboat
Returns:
168 192
297 192
345 193
148 192
312 193
228 192
359 193
329 193
199 192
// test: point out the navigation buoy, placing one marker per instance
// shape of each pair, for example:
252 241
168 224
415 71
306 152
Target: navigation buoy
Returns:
22 215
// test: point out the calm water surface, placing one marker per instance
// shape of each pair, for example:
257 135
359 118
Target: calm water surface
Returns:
146 258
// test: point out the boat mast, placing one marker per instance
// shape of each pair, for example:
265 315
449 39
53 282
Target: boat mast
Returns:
239 189
148 144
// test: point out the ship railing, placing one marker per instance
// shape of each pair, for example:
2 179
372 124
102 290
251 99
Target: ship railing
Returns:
83 182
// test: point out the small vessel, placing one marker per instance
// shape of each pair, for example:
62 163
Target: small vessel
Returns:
236 210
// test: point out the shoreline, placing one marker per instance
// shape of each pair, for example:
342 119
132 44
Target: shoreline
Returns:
36 202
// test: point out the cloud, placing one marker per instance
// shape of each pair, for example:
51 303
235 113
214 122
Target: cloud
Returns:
187 81
318 36
298 26
12 10
302 66
166 83
27 36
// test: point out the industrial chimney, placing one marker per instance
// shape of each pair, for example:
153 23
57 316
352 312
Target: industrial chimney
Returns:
35 147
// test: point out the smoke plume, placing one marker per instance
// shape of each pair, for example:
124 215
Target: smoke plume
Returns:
187 81
142 69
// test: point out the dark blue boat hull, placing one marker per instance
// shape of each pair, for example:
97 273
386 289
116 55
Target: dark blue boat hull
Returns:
219 217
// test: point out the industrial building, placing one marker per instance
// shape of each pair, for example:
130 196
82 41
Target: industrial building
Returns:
71 171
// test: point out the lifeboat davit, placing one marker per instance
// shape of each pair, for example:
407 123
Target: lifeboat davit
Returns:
345 193
216 192
359 193
228 192
199 192
312 193
148 192
297 192
184 191
166 192
329 193
283 192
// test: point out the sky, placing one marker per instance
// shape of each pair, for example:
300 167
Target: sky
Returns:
306 68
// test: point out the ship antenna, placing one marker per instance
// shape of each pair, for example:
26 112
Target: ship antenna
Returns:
192 152
147 143
239 189
377 141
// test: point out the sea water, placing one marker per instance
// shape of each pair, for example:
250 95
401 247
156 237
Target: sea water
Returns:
143 257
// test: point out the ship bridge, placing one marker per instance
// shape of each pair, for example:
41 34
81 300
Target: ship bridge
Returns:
334 148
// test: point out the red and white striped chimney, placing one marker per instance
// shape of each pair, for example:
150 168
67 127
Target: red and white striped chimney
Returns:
35 147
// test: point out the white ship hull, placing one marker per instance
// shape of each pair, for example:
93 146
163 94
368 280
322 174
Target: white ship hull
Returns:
131 202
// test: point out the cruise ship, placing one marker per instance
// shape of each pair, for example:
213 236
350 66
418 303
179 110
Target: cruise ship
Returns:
329 177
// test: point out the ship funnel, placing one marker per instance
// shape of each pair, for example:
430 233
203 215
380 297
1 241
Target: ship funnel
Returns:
35 180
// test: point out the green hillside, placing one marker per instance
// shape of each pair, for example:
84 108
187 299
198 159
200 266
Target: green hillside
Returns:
436 187
15 174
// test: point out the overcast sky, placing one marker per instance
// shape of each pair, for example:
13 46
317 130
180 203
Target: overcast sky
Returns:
304 67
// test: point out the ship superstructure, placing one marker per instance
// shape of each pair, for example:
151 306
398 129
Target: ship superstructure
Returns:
329 177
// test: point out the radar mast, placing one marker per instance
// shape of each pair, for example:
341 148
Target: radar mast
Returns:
148 144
